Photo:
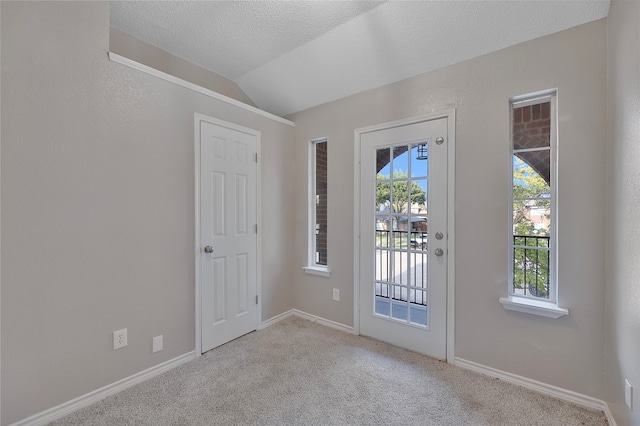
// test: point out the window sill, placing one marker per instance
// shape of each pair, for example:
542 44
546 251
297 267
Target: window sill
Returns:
533 307
318 270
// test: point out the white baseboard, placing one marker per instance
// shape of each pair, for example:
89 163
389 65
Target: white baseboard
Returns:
535 385
609 414
92 397
295 312
276 319
323 321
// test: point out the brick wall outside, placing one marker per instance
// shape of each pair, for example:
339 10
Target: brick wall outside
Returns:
532 129
321 206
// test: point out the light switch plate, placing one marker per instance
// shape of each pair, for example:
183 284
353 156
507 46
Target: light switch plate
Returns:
157 344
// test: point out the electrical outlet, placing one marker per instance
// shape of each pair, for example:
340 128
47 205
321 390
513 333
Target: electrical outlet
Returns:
157 344
119 339
628 394
336 294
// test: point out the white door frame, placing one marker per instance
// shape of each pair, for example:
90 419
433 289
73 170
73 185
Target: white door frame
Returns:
450 115
198 246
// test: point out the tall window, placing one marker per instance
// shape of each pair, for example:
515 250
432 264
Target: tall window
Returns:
317 259
533 188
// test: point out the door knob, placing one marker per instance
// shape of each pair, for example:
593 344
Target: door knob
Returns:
208 249
439 252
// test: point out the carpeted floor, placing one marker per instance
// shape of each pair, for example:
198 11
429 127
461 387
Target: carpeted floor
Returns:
297 372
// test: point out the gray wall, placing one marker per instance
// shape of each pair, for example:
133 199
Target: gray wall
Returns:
97 208
97 167
566 352
130 47
623 204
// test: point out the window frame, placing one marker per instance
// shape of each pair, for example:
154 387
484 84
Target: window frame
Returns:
312 267
530 304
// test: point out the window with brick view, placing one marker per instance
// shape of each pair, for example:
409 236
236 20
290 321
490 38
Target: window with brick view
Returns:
533 198
320 245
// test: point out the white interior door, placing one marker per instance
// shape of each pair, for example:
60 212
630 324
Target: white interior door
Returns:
228 202
403 236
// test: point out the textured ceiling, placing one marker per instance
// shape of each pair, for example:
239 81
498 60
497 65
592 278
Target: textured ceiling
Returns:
291 55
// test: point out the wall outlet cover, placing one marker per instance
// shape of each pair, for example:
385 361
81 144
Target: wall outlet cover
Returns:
119 339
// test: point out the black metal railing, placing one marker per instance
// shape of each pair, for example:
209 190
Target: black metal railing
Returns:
390 244
531 273
401 239
401 294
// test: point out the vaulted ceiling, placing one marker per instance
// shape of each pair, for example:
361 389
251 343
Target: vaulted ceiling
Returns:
288 56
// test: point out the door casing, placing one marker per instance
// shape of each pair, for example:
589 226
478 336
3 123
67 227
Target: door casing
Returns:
198 245
450 115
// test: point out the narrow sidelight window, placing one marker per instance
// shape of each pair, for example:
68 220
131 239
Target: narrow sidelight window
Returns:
533 233
318 204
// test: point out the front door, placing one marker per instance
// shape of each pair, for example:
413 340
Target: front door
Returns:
228 200
403 236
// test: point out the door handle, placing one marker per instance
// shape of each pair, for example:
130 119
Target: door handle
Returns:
208 249
439 252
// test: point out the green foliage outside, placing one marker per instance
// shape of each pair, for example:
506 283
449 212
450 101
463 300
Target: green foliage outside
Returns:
400 205
400 192
531 264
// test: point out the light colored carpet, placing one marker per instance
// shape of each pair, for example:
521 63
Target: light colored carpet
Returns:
300 373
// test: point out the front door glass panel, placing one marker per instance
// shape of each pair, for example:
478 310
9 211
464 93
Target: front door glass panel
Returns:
401 290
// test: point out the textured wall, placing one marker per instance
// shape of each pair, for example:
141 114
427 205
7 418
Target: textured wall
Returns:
130 47
97 208
566 352
623 204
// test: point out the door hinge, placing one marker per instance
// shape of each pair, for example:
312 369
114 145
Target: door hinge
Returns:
256 299
256 157
255 228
